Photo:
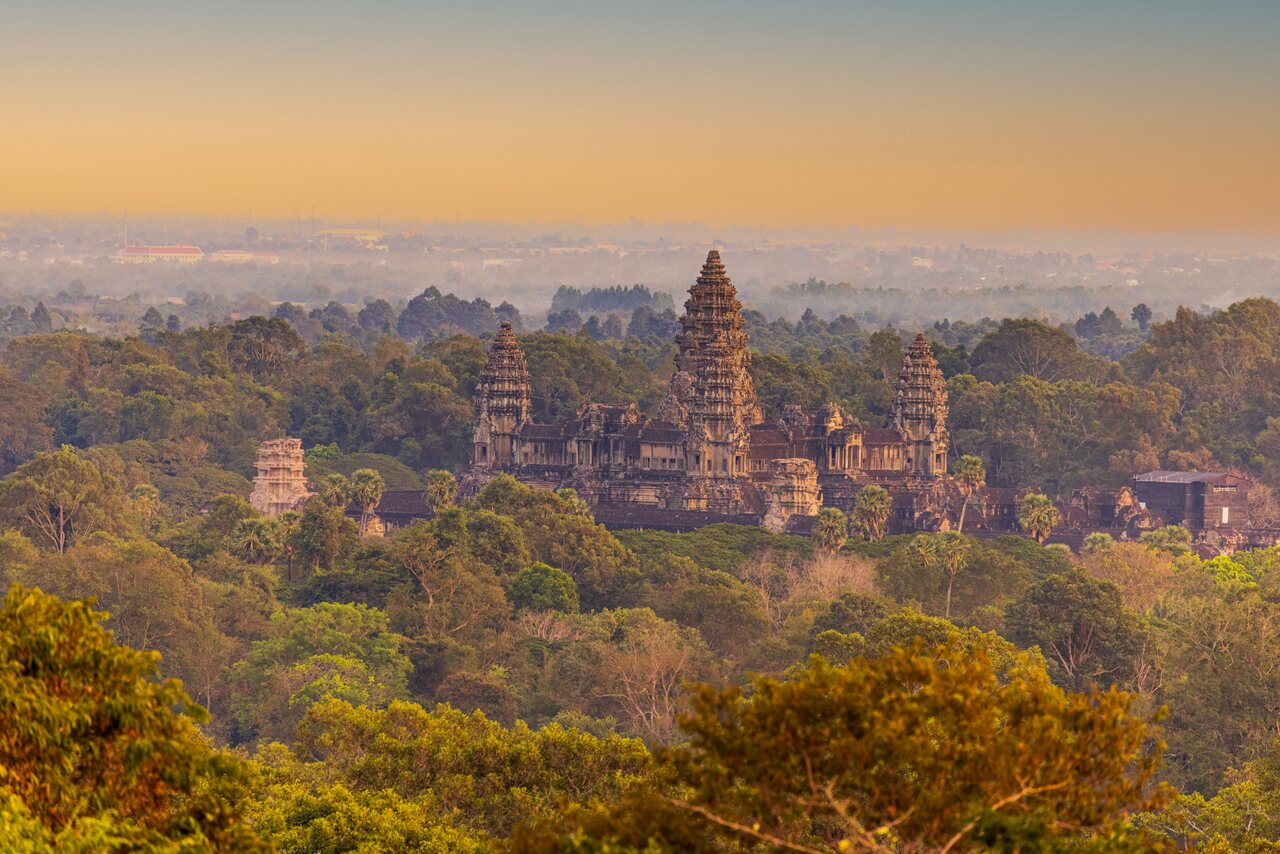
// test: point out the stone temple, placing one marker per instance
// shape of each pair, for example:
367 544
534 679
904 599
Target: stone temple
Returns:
710 455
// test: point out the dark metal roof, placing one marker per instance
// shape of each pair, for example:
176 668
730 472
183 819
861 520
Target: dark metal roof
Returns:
399 505
1180 476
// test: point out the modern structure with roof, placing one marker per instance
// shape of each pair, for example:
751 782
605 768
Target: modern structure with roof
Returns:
175 254
710 454
1200 501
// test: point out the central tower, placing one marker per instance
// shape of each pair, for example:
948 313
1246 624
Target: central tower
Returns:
920 410
711 394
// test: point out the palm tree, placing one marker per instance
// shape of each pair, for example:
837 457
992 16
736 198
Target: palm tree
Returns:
925 548
831 530
949 549
335 490
953 552
970 475
285 530
442 489
871 512
254 539
366 487
1038 516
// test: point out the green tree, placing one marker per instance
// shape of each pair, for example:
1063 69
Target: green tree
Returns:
95 746
871 512
1038 516
254 540
1082 626
60 497
296 817
969 475
883 354
284 530
442 489
1098 541
949 551
41 319
830 530
148 504
335 490
153 599
1141 315
460 768
544 588
310 654
1024 346
23 430
17 555
1173 539
324 536
823 762
366 487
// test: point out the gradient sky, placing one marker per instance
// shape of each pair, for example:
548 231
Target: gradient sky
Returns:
1139 116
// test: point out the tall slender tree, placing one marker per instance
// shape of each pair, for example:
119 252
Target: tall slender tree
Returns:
969 475
366 487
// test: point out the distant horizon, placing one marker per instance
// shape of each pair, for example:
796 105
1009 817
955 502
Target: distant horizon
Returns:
1077 241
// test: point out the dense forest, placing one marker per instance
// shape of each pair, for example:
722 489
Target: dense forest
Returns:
510 675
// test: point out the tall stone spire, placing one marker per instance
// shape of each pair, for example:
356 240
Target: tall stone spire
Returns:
503 400
713 347
920 409
711 393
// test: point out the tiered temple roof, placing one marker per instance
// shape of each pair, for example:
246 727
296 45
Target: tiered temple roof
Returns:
504 383
920 394
712 376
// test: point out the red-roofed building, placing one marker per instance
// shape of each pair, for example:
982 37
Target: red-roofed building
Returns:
176 254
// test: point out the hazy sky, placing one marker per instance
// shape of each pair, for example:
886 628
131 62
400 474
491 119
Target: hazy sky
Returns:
1142 115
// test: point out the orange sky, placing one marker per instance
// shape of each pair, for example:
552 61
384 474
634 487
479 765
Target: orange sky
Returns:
749 126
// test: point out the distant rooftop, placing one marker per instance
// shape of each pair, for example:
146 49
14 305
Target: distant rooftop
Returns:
177 249
1179 476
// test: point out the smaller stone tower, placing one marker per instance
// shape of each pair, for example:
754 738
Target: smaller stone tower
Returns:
281 481
920 410
503 402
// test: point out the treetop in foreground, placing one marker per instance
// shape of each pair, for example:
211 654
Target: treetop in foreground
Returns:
96 753
922 749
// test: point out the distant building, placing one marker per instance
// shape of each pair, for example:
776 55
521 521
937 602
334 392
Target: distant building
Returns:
710 451
176 254
281 482
241 256
1200 501
356 235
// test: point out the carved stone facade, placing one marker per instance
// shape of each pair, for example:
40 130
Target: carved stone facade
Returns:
281 481
710 450
920 410
792 490
502 401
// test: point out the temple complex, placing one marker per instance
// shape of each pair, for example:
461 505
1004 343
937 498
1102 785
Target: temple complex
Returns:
710 453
